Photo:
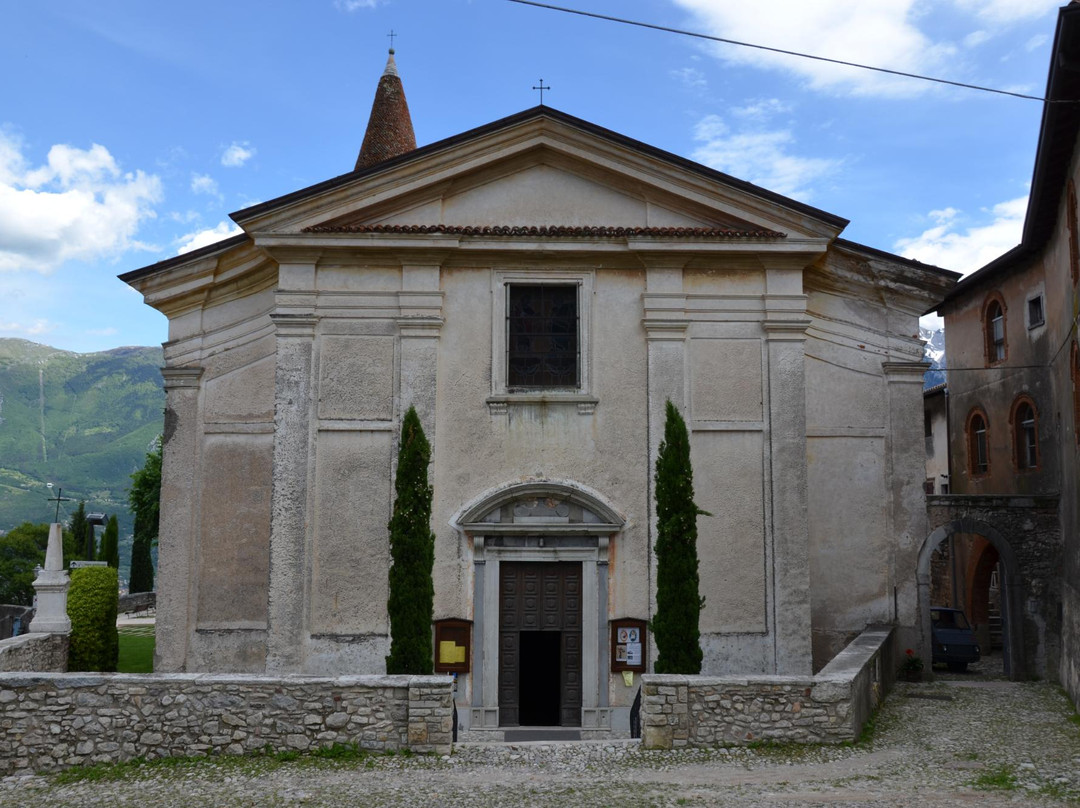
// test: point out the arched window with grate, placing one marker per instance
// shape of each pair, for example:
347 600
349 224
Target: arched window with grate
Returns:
994 330
1025 433
978 444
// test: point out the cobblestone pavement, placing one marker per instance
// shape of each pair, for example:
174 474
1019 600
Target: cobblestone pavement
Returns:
964 740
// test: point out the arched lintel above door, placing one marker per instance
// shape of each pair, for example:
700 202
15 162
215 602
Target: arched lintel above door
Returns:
549 507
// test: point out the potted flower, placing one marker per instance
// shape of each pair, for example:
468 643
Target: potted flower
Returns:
912 667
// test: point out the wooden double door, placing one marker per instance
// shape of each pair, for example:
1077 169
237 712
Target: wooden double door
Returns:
540 644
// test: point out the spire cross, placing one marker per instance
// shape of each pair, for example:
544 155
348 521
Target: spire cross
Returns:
541 88
392 35
58 499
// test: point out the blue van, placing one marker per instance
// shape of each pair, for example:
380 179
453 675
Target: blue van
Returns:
953 638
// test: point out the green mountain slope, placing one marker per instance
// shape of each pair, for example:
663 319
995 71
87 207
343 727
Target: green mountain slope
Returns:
81 421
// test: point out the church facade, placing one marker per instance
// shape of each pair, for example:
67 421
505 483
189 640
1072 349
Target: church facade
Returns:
537 288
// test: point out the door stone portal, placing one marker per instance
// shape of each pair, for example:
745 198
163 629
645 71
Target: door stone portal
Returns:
540 643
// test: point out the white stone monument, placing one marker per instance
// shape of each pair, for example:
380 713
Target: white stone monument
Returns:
51 586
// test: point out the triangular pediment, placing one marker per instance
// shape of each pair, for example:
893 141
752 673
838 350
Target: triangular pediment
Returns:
539 169
542 189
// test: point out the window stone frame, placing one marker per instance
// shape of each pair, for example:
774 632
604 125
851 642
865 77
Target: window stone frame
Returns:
502 396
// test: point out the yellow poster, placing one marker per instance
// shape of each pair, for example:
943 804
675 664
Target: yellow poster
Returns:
450 653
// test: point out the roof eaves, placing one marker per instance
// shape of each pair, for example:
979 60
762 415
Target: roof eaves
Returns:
246 214
179 260
888 256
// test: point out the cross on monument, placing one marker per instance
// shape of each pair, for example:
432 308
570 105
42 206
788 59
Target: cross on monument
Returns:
58 499
392 35
541 88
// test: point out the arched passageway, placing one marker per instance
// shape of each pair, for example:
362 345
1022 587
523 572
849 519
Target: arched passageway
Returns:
986 550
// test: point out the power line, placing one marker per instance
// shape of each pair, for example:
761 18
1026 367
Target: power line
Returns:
698 35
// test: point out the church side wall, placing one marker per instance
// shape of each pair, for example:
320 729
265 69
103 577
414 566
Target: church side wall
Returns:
223 601
865 450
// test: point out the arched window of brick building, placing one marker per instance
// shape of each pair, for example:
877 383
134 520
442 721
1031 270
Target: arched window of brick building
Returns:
1074 241
994 329
1025 432
978 444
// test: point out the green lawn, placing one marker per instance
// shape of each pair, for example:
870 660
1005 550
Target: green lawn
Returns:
136 651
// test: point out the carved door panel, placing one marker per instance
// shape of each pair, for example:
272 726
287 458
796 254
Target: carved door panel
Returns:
540 597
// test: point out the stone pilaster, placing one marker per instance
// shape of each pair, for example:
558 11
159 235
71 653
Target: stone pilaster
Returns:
294 401
785 327
420 304
666 332
178 529
905 468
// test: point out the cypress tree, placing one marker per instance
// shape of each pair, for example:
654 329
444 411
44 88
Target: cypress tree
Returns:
678 605
84 537
141 575
110 543
412 552
145 499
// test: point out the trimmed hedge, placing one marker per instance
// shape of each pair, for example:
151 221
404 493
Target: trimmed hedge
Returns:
92 609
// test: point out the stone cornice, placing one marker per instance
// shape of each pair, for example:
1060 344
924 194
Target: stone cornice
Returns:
785 330
294 325
911 372
182 378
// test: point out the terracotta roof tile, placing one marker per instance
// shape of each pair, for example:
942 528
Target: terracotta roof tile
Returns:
548 231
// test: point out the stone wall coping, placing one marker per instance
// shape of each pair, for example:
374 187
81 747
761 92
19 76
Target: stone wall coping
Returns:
1039 502
843 668
853 658
73 680
23 639
697 680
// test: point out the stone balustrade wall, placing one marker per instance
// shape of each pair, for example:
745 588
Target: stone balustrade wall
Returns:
52 721
831 707
34 652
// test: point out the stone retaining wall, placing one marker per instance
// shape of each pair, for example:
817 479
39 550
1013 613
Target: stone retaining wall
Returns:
9 615
52 721
34 652
139 602
831 707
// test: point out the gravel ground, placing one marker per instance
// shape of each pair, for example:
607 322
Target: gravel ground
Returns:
963 740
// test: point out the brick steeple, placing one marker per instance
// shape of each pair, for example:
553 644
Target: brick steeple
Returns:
389 130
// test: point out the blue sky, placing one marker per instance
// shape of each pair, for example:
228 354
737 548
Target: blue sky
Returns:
129 130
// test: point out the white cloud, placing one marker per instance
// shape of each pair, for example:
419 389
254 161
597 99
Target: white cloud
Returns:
32 329
355 5
954 244
691 77
203 238
976 38
204 184
883 34
237 154
78 205
759 156
1006 11
762 108
1035 42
